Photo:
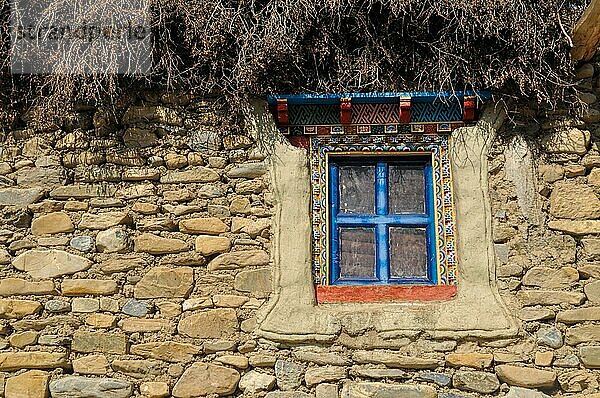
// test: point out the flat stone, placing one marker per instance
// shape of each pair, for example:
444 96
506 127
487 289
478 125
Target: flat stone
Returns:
197 174
154 389
481 382
590 356
592 292
53 223
175 161
23 339
237 141
569 361
322 358
163 282
40 324
197 303
289 374
247 170
219 345
239 259
254 381
441 379
136 191
589 271
54 340
237 361
519 392
571 140
579 315
122 264
153 244
31 384
216 379
17 309
145 208
137 368
535 314
582 334
136 308
525 377
551 278
229 300
103 221
363 389
94 342
549 297
208 226
316 375
169 351
83 191
152 114
10 361
218 323
393 360
114 240
256 281
471 359
379 373
576 227
137 325
20 197
208 245
84 387
574 201
50 263
101 321
91 365
577 381
85 304
82 287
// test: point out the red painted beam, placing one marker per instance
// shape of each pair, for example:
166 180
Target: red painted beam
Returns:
369 294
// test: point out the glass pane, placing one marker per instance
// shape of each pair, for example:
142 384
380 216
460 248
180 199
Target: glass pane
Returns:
357 189
408 252
357 252
407 189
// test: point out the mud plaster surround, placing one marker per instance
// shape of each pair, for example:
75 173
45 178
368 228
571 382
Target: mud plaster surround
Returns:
292 314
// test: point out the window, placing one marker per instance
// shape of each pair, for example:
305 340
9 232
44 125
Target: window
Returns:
381 220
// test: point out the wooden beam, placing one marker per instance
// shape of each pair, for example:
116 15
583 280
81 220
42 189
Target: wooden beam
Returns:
586 34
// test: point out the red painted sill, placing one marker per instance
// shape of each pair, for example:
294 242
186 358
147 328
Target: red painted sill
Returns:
370 294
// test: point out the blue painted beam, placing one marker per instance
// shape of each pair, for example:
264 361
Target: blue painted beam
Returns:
373 98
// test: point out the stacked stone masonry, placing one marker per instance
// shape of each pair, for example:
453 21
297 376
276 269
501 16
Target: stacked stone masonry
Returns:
135 253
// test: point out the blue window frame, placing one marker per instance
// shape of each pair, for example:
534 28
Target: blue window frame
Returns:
382 221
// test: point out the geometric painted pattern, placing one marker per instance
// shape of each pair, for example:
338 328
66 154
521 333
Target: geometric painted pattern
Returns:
435 144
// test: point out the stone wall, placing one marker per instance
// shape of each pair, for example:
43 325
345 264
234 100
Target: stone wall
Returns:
135 252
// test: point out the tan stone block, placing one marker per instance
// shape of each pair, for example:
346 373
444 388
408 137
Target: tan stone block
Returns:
23 339
574 170
31 384
50 263
551 278
91 365
218 323
316 375
154 389
590 356
208 226
582 334
393 360
475 360
141 174
137 325
178 195
239 259
525 377
101 321
571 140
215 380
153 244
594 177
577 228
169 309
122 264
240 205
103 221
579 315
574 201
237 361
81 287
169 351
53 223
137 368
544 358
195 159
175 161
40 324
85 304
208 245
75 205
592 291
17 309
229 300
145 208
589 271
255 281
32 360
93 342
163 282
549 297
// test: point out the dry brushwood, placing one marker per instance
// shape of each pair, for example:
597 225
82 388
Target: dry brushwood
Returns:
241 48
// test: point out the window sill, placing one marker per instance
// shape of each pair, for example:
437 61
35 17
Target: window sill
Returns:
387 293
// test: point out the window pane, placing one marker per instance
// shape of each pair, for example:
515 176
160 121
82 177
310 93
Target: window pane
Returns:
357 189
357 252
408 252
406 189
